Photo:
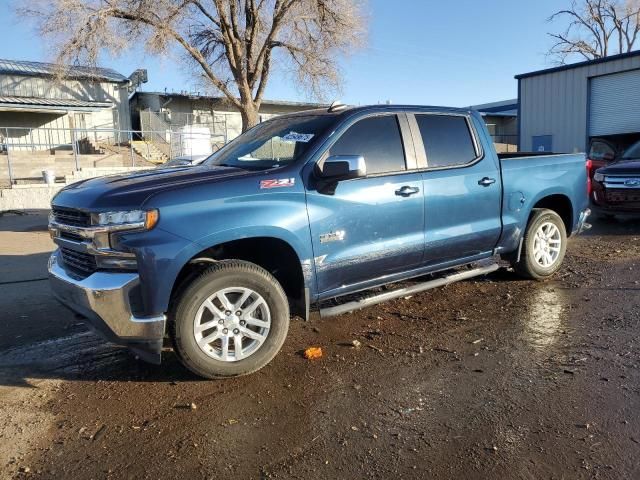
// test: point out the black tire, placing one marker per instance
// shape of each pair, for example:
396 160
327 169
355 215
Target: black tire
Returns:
528 267
225 274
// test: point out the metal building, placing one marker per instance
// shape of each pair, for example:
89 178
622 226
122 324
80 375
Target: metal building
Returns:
33 98
562 108
501 119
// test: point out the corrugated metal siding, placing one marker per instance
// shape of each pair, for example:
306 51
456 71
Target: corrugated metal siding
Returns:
73 91
18 86
556 104
615 104
52 102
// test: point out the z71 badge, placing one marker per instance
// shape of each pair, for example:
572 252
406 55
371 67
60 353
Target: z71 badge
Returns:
277 183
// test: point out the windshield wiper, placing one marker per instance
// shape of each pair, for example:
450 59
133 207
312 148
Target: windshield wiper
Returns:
228 165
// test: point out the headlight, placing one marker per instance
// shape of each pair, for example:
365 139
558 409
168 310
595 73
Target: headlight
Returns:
146 219
598 177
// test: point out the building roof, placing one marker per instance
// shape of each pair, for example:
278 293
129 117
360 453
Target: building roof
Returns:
49 104
40 69
502 108
281 103
587 63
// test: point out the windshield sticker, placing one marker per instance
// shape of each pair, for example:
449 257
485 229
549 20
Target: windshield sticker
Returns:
297 137
277 183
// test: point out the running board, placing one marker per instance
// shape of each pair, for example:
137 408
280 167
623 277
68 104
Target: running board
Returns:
402 292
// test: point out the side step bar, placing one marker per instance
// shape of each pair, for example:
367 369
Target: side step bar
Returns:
402 292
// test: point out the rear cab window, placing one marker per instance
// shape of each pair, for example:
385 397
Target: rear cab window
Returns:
378 140
447 140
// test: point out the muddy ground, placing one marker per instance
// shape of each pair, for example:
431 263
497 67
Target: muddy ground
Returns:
494 378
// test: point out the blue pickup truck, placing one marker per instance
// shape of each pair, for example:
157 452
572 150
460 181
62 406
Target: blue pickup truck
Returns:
300 213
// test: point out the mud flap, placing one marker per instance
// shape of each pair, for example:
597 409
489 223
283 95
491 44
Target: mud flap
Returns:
150 352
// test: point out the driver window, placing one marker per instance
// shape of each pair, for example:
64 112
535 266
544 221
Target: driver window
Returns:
378 140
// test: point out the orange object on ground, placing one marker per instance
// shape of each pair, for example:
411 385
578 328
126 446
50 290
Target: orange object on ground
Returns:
312 353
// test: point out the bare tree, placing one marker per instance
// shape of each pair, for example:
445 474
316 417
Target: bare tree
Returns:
597 28
234 44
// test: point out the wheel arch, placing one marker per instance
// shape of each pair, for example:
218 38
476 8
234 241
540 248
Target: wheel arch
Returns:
558 203
273 253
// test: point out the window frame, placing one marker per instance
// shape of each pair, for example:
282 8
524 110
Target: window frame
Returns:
421 151
406 138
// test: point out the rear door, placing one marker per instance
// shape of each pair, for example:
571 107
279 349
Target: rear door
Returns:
370 227
462 188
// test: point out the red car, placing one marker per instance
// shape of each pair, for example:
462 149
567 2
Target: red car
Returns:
615 186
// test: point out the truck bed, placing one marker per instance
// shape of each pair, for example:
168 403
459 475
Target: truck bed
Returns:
527 179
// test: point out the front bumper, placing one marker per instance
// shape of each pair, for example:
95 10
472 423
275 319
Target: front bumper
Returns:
103 299
615 209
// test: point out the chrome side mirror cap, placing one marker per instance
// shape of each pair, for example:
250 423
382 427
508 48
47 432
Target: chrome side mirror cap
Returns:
343 167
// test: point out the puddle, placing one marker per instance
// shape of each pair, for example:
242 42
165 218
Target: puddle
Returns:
544 317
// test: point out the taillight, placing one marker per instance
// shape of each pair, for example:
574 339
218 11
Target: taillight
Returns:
589 175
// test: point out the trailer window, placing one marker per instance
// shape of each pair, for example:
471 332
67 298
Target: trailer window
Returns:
447 140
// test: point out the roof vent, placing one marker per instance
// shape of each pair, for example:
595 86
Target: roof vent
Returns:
337 106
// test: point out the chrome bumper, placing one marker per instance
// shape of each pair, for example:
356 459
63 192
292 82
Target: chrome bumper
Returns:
103 298
582 222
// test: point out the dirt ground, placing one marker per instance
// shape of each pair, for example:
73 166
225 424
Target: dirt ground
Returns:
495 378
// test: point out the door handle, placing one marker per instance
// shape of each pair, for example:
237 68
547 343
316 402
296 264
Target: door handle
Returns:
407 191
486 181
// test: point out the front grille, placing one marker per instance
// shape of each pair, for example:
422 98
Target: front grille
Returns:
69 216
627 195
74 237
622 183
80 262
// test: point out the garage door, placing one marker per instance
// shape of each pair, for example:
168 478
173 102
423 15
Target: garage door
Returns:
615 104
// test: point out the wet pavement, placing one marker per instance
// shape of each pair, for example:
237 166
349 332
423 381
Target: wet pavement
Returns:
493 378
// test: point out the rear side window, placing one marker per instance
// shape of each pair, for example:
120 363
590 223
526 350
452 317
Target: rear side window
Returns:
378 140
447 140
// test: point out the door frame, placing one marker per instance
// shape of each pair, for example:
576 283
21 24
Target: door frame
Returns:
320 154
408 145
421 151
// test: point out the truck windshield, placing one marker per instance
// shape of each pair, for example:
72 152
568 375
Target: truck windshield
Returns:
632 153
274 143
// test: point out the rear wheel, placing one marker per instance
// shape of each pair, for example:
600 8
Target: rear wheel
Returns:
544 245
230 321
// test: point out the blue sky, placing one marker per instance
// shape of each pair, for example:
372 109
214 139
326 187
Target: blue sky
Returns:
453 53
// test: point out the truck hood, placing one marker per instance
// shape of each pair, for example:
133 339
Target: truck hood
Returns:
132 189
625 167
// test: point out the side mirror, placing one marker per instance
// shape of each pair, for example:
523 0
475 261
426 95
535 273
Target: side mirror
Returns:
343 167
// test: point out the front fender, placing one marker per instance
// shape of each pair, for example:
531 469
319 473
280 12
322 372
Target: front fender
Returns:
299 246
207 216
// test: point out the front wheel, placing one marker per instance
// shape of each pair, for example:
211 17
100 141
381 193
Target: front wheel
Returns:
544 245
230 321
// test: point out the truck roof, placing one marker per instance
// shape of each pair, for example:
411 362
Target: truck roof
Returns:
379 108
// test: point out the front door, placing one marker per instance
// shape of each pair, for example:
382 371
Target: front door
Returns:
462 190
372 226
